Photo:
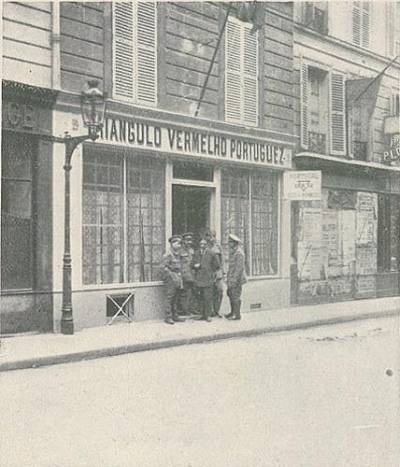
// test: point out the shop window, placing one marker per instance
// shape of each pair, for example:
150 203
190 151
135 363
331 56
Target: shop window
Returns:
135 52
250 210
145 218
123 223
388 233
241 73
361 23
16 212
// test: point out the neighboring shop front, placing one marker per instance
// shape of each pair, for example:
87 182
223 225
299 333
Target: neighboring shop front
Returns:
346 246
26 254
144 180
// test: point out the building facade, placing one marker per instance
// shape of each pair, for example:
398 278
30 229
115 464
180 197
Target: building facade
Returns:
303 85
346 246
163 163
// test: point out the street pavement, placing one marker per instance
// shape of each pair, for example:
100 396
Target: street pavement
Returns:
318 397
17 352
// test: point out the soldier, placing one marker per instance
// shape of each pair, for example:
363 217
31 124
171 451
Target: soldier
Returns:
218 288
236 276
188 294
171 270
205 263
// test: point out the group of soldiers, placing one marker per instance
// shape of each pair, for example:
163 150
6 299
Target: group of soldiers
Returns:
194 278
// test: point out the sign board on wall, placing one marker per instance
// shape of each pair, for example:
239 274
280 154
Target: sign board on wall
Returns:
205 143
302 185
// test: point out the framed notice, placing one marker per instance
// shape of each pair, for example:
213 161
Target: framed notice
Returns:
302 185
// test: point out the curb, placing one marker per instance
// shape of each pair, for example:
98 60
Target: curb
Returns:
143 347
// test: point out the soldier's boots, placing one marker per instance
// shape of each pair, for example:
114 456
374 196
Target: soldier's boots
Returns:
235 313
169 321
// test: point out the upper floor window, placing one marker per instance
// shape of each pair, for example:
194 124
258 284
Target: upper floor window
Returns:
316 16
241 73
322 110
135 52
361 23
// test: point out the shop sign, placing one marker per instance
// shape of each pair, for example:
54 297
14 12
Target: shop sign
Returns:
393 154
302 185
193 142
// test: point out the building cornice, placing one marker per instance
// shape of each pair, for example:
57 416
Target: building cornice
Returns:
331 40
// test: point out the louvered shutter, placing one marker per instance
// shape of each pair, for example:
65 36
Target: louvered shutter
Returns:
233 67
250 77
304 111
146 52
123 51
356 17
337 113
365 18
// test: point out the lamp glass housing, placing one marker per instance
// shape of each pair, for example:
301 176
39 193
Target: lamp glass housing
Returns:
93 104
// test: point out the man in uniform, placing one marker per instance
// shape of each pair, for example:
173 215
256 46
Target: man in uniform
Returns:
187 301
205 263
236 276
172 276
218 288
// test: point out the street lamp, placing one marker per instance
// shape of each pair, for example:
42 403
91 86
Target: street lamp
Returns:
93 103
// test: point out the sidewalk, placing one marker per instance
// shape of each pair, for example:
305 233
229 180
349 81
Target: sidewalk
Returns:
32 351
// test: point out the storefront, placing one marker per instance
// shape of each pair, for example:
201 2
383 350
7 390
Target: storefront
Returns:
346 246
144 180
26 255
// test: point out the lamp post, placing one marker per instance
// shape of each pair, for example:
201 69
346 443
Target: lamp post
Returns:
93 110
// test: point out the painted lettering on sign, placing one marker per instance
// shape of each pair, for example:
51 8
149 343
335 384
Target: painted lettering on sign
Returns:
195 142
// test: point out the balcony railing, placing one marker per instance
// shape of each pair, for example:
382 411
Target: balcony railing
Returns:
360 150
317 142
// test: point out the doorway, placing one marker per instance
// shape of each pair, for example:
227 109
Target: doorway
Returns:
191 209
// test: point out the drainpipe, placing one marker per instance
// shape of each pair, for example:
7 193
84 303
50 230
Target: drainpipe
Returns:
55 46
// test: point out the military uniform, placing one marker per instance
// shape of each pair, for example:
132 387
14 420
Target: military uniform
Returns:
172 276
188 294
236 277
218 288
205 264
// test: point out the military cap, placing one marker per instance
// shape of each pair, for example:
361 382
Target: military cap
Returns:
234 238
174 238
187 234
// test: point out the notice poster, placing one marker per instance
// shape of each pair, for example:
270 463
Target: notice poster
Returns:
330 243
348 240
367 219
309 246
366 260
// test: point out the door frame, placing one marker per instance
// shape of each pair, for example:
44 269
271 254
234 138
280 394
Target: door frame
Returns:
215 198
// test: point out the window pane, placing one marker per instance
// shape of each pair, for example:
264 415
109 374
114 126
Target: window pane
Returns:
264 209
16 212
102 219
145 218
235 210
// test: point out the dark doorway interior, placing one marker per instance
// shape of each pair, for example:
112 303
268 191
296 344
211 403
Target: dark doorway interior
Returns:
190 210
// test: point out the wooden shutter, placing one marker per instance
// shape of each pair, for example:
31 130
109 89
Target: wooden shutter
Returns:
233 67
356 16
304 111
123 51
337 113
365 19
250 77
146 40
390 31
